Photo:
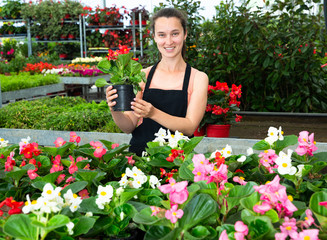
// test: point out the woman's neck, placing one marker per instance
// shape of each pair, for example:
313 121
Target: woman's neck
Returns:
172 65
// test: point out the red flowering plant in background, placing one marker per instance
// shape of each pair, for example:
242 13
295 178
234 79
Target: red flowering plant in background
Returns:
222 105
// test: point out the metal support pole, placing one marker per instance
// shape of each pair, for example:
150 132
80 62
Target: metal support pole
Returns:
29 38
81 35
84 35
133 32
0 96
141 34
325 13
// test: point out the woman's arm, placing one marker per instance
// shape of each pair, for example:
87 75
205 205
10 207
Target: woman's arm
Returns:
194 114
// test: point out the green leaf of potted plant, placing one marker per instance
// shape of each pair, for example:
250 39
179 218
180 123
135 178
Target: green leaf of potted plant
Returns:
125 74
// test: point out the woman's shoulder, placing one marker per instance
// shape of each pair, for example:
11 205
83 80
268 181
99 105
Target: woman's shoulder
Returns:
199 75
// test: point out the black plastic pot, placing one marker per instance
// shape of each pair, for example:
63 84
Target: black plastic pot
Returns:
125 97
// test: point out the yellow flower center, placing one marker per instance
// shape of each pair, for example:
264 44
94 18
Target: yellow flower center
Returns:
306 218
74 195
103 193
201 162
314 142
228 152
135 174
284 165
123 175
174 213
242 178
306 238
199 173
290 198
1 139
282 132
26 203
267 182
288 228
272 134
34 202
266 151
49 192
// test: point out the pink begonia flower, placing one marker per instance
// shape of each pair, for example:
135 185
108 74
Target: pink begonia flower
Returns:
10 163
200 173
309 220
173 214
179 197
32 173
281 236
78 159
73 167
84 194
241 227
56 167
239 236
223 236
264 207
307 145
239 180
99 150
268 157
323 204
218 175
155 210
172 186
289 227
199 160
70 179
74 137
114 145
59 142
130 160
311 234
60 178
178 191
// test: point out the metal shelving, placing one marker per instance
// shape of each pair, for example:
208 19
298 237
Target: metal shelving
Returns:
132 27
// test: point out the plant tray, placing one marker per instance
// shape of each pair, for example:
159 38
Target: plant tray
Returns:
32 92
83 80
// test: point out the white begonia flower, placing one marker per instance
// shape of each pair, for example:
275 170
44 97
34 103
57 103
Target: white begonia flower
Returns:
75 204
249 151
70 227
3 142
280 134
154 181
119 191
139 180
284 163
123 181
105 192
134 173
26 140
89 214
29 206
161 136
49 192
241 159
72 200
46 206
101 202
299 172
227 151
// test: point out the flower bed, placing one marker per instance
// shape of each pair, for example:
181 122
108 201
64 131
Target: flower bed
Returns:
100 189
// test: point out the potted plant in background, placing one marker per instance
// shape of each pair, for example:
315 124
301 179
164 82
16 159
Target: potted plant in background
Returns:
221 109
126 75
144 13
62 50
11 9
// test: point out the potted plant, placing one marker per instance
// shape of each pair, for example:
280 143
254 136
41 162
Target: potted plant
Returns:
126 75
11 9
221 107
144 13
73 31
62 50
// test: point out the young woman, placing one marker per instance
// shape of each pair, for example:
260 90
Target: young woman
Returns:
175 94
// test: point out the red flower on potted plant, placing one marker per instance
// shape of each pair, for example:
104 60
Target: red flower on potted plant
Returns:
222 104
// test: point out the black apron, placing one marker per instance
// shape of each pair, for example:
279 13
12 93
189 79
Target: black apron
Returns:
173 102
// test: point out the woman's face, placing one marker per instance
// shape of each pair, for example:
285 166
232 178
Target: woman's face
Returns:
169 36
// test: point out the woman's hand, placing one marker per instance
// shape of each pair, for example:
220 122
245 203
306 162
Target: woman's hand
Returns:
111 95
142 109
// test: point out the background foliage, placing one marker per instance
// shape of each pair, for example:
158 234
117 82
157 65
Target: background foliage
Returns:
59 113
